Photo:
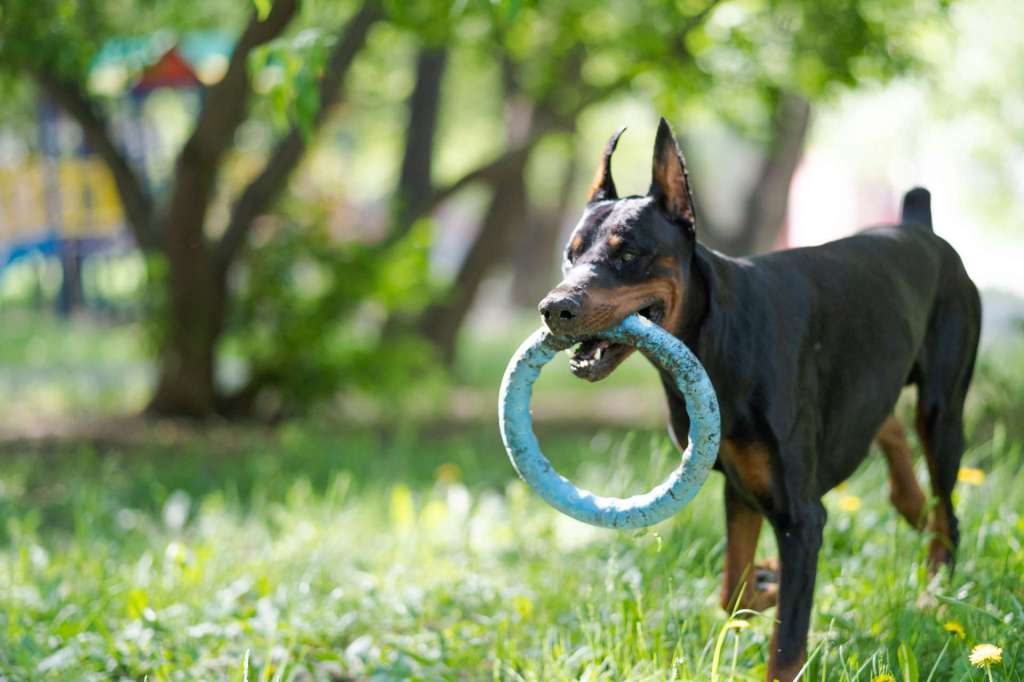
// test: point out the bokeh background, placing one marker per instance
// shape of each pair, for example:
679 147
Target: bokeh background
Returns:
262 263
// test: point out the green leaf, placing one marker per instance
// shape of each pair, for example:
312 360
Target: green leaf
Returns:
908 663
262 8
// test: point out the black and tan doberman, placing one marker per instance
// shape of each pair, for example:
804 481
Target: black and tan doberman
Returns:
808 350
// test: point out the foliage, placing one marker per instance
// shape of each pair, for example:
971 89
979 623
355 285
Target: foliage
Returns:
66 35
310 313
727 57
732 58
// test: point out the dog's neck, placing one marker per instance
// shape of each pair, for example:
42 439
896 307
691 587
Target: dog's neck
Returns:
709 302
696 297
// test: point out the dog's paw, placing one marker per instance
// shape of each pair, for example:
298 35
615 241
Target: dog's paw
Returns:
763 598
766 573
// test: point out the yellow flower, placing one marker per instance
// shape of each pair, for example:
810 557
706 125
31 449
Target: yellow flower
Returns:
985 655
523 606
736 624
971 476
884 677
954 628
447 473
849 503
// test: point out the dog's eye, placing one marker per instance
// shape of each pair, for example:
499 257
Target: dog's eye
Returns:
627 256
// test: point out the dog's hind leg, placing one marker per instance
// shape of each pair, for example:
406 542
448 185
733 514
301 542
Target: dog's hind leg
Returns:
945 375
904 490
942 434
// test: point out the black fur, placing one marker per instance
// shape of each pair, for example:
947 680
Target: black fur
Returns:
808 350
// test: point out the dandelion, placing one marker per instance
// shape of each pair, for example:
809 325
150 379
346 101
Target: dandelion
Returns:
523 606
849 503
954 628
985 656
448 473
884 677
971 476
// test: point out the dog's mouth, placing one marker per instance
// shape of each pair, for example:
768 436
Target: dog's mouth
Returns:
595 359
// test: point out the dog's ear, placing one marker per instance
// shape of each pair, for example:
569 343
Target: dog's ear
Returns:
603 187
670 185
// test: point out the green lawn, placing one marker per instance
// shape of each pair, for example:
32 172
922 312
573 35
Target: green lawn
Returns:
317 551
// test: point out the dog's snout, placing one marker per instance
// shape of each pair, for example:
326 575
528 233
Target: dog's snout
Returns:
559 311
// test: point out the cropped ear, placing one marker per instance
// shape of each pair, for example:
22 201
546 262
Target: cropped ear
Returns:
603 187
670 185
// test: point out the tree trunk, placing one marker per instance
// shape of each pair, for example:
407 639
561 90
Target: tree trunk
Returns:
193 323
537 254
72 295
186 385
440 323
198 269
414 182
768 200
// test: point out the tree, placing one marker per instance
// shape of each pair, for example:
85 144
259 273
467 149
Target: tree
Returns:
54 41
755 65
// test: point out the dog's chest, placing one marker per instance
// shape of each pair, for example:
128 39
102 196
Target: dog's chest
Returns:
748 466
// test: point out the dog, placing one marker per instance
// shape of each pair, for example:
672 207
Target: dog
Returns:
808 350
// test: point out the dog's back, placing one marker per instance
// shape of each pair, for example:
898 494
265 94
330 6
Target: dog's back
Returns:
877 310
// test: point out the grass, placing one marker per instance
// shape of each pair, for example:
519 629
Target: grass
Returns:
317 551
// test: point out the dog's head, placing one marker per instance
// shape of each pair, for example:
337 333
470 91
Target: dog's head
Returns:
628 255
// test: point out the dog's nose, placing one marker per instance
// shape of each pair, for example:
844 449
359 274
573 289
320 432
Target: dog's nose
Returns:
559 312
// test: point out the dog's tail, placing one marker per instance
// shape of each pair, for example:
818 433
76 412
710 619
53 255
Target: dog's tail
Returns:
917 207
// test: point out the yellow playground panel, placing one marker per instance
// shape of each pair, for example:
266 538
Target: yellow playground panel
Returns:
77 200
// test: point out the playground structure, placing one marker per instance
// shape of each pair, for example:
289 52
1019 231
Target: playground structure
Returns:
58 201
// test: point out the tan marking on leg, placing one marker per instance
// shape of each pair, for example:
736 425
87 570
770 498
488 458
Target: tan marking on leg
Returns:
940 549
739 582
904 490
751 463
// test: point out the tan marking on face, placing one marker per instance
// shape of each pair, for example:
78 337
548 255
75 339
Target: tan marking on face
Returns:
904 491
751 464
605 307
615 241
576 244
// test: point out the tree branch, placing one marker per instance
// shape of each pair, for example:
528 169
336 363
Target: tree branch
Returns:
415 180
224 105
767 202
261 192
224 109
131 189
488 172
698 18
493 170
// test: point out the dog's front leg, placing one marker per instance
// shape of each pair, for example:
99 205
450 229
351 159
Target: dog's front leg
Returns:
799 539
740 584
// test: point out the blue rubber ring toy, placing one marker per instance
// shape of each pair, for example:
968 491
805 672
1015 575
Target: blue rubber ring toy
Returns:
638 511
